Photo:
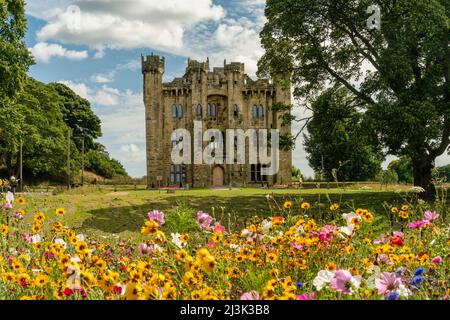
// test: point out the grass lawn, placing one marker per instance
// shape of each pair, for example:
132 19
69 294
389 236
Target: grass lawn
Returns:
111 214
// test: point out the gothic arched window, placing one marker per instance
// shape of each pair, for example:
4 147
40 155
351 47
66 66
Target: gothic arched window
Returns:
180 111
199 110
209 110
255 112
174 111
261 112
213 110
235 111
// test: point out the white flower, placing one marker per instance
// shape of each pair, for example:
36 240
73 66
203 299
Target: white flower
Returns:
403 291
36 238
356 281
245 233
350 216
266 225
81 237
433 242
176 240
9 197
75 259
322 279
348 230
61 242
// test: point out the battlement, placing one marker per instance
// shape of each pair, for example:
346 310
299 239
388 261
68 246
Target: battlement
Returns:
153 63
234 67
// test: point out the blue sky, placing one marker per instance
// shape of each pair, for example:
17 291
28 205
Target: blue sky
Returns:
96 52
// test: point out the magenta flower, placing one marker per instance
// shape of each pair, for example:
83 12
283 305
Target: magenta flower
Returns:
418 224
204 220
326 234
307 296
145 249
430 216
343 281
252 295
157 216
7 206
388 282
437 259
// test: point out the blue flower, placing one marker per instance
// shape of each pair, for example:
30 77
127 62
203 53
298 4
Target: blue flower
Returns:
399 272
299 284
419 271
416 281
392 296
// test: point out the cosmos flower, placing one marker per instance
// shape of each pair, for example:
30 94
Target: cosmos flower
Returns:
204 220
344 281
157 216
322 279
252 295
430 216
388 283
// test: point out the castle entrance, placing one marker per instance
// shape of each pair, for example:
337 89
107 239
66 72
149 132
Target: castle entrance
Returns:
218 175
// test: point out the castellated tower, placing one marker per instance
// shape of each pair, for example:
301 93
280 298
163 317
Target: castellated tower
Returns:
222 98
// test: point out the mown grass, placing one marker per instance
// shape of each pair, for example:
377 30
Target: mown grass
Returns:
114 214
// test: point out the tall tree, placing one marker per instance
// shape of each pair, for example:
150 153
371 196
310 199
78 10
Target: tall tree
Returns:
400 72
337 141
78 115
15 60
403 168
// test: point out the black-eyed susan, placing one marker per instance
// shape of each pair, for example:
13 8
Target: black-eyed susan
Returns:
334 207
4 230
60 212
394 210
36 228
330 266
208 263
272 257
21 200
403 214
305 205
39 217
41 280
287 204
405 207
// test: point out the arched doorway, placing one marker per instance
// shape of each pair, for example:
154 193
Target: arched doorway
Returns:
217 177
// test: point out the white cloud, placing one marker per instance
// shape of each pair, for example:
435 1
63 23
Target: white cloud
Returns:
79 88
103 78
104 96
116 24
44 51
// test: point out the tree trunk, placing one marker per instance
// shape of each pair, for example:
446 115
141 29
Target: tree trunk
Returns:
423 178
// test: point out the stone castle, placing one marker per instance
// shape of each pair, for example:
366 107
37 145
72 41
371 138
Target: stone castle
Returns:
224 98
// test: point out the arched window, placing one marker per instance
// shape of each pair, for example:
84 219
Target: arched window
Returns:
213 110
235 111
255 112
199 110
180 111
209 111
174 111
261 112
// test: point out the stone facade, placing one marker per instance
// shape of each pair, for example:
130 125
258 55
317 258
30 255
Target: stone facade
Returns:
224 98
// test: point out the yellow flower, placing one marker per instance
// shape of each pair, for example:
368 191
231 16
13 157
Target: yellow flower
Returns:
305 205
39 217
4 230
208 263
403 215
82 248
21 200
60 212
272 257
394 210
287 205
330 266
334 207
41 280
1 182
405 207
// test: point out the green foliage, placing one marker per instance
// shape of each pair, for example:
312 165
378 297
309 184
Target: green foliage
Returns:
443 173
337 140
387 176
405 95
404 169
181 219
296 173
14 55
99 162
78 115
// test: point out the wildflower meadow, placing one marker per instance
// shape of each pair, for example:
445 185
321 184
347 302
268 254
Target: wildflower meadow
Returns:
292 254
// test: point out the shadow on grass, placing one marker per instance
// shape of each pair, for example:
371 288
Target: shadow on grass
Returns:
234 211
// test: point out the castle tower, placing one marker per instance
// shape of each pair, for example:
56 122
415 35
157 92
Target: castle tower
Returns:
153 70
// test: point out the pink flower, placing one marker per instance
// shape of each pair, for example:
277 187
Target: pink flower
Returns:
252 295
204 220
342 281
145 249
430 216
418 224
387 283
157 216
437 259
7 206
297 246
398 234
326 234
211 244
307 296
219 228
